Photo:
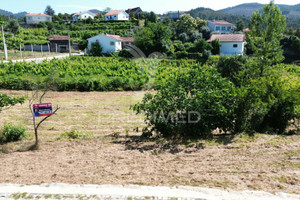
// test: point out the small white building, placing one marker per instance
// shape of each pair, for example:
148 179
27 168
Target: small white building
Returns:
83 15
231 44
34 18
110 43
116 15
220 26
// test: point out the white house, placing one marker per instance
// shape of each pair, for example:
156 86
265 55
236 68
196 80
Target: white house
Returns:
220 26
110 43
116 15
231 44
83 15
33 18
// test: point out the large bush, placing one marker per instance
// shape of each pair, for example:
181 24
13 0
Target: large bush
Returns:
194 101
266 103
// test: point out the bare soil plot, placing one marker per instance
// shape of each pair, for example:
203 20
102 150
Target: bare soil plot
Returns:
116 155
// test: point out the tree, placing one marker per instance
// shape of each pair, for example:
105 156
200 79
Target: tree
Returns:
82 44
266 31
167 21
13 26
36 125
216 47
49 11
96 49
6 101
185 24
107 9
240 25
205 32
154 37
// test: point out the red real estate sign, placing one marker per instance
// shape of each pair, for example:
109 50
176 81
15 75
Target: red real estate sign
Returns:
42 109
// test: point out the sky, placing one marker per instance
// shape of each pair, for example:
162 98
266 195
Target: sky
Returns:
158 6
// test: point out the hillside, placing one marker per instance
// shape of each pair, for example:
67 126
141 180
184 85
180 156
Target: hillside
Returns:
17 15
248 8
244 12
209 14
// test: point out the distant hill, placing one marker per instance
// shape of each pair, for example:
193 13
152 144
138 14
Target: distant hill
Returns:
247 10
209 14
95 11
16 15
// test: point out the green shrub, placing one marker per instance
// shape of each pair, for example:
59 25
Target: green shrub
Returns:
96 49
12 133
231 67
74 134
194 101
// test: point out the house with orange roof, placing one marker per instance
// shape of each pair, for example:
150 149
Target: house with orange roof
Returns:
34 18
117 15
110 43
231 44
83 15
220 26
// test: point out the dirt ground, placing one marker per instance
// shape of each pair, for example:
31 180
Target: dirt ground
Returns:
114 154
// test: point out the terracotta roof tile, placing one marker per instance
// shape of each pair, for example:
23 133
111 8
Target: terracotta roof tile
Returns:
123 39
113 12
35 14
220 22
227 37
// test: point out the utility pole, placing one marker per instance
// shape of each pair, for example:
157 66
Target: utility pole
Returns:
69 44
21 50
4 44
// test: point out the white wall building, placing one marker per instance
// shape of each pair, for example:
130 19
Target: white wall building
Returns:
231 44
110 43
33 18
83 15
116 15
220 26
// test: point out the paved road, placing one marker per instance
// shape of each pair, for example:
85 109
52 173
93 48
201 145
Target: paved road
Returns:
39 60
67 191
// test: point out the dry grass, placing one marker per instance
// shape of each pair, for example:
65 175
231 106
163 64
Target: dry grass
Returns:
116 155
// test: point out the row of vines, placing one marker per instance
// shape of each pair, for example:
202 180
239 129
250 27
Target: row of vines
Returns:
77 73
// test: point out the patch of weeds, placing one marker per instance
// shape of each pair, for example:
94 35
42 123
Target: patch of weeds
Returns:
56 196
74 134
288 164
126 132
292 153
282 179
48 196
246 138
81 197
275 142
16 195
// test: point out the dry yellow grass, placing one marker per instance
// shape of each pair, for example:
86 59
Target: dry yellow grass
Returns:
115 155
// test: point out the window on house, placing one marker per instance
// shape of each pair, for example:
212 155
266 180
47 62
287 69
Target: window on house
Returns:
223 28
217 28
228 28
112 43
235 45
